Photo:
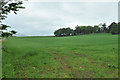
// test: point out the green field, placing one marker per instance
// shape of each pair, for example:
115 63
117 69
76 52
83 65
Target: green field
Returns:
83 56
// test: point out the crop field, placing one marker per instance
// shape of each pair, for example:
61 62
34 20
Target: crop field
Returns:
83 56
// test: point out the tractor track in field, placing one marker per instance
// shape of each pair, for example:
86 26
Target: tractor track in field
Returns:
92 61
63 65
66 67
88 58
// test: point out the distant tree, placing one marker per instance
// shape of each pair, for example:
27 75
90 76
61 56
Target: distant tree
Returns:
114 29
77 30
90 29
57 33
96 28
104 29
68 31
84 30
110 26
64 32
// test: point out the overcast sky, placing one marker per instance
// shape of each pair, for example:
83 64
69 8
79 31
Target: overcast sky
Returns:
43 18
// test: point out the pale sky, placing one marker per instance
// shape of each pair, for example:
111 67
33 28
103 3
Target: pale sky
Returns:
43 18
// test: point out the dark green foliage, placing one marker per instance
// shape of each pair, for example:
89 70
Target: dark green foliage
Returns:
6 34
114 28
4 27
64 32
13 32
5 8
111 25
101 28
104 28
96 29
84 29
8 6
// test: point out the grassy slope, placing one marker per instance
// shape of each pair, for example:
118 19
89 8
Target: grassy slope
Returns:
50 57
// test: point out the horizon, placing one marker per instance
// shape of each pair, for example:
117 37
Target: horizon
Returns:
54 15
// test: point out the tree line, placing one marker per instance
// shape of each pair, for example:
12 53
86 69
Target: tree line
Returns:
113 28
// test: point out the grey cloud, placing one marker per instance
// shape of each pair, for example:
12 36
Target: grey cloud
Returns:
43 18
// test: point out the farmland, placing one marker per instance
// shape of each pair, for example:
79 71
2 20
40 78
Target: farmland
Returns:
82 56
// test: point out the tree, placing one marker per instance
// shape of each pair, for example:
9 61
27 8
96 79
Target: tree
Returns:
13 32
96 28
57 33
84 30
68 31
6 34
4 27
114 29
104 29
6 6
77 30
110 26
64 32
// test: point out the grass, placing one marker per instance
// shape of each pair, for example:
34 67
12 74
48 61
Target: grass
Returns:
84 56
